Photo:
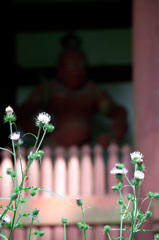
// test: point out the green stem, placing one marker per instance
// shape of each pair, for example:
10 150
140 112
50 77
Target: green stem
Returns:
14 155
37 138
109 236
4 213
137 202
121 217
137 227
12 227
41 140
85 231
64 231
31 228
132 216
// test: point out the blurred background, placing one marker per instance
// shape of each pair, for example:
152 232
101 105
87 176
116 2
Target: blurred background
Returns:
32 45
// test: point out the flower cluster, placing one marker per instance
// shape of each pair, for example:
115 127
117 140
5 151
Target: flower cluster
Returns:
136 217
17 200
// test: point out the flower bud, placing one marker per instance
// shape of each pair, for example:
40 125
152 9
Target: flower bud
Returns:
36 232
41 233
148 214
36 211
139 175
156 237
9 171
119 165
30 157
49 127
129 196
41 152
86 227
79 201
150 194
120 201
156 195
14 196
23 200
119 185
106 228
140 215
64 220
80 225
33 193
115 188
9 110
13 174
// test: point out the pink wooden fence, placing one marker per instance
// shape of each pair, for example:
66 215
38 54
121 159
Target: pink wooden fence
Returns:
71 173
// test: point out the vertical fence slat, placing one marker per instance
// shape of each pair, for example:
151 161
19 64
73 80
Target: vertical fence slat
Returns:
113 150
6 181
73 185
86 177
99 171
113 158
46 170
86 171
99 184
59 184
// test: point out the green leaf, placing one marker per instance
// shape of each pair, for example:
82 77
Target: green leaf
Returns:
42 190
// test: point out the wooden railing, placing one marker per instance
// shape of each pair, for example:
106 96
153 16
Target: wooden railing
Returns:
83 173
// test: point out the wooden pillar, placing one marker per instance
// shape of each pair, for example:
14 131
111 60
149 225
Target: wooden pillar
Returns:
146 89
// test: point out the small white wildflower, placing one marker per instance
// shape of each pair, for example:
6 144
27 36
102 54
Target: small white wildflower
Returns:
139 160
43 118
136 155
139 175
6 218
9 110
118 171
15 136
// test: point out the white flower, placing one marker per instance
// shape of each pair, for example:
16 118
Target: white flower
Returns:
118 171
15 136
139 175
9 110
43 118
6 218
136 155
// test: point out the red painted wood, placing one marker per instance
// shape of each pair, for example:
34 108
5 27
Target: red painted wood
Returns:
99 185
86 171
60 181
86 179
46 169
99 177
73 185
6 181
146 91
112 160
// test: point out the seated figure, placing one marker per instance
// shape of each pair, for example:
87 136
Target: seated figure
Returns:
73 100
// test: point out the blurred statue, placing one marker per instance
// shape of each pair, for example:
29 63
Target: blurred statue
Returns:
73 100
